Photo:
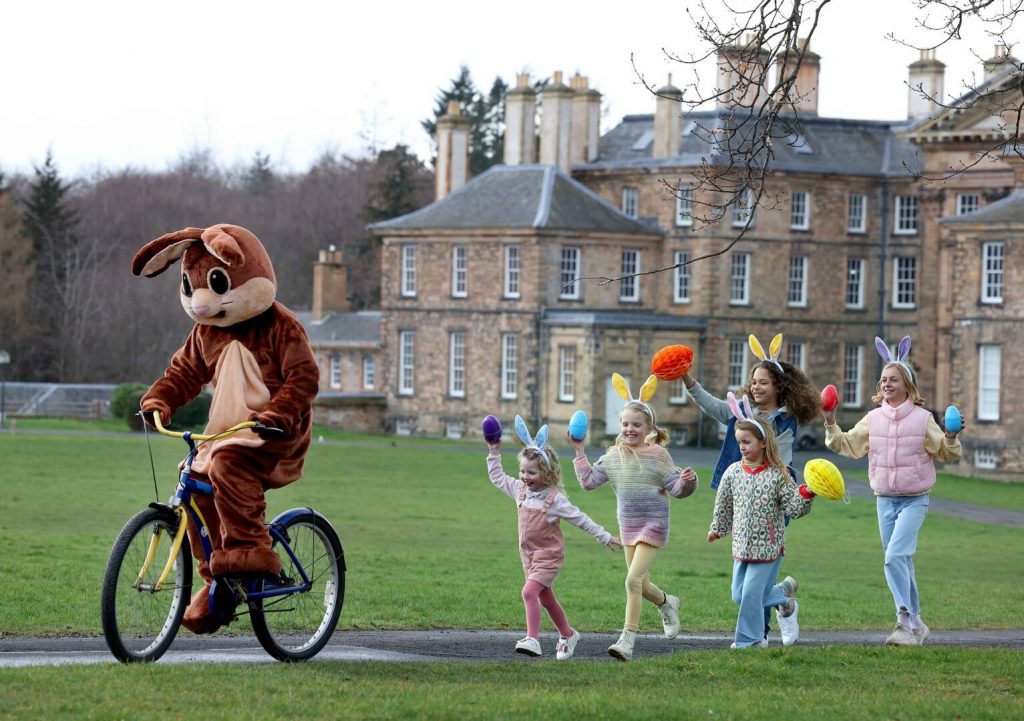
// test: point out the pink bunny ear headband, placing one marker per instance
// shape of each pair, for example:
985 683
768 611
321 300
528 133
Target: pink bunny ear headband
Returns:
741 411
646 392
536 443
901 354
772 356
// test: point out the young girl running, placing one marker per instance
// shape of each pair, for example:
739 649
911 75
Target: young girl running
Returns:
753 497
541 502
642 473
787 398
902 441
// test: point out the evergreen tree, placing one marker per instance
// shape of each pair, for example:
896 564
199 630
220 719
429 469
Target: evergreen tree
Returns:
259 177
486 114
402 185
49 222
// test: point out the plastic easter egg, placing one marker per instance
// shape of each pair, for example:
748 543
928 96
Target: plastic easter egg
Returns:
824 479
829 397
953 421
492 429
578 426
672 362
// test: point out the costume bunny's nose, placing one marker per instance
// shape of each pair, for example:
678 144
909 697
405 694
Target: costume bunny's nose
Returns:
201 310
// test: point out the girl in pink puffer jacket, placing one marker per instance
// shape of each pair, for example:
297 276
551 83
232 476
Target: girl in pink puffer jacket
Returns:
902 442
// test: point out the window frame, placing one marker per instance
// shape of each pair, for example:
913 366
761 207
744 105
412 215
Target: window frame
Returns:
802 280
408 277
737 364
681 277
992 278
862 264
574 285
509 366
457 364
369 372
852 397
630 201
863 226
742 209
629 286
900 284
512 279
566 373
460 271
684 208
334 371
961 205
743 279
989 381
406 362
905 215
803 221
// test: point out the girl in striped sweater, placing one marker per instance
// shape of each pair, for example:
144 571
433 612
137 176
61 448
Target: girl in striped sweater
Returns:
643 475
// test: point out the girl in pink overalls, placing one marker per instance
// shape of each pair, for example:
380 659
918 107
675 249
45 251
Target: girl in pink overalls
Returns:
541 501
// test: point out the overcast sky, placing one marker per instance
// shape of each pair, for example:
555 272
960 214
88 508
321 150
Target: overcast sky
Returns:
114 83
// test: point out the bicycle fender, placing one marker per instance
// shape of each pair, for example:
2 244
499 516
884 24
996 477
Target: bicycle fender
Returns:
286 516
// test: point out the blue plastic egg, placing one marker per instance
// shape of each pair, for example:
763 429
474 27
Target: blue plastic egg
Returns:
952 418
578 426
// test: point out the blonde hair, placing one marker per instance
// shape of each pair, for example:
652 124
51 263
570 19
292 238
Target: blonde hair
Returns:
765 430
547 462
908 380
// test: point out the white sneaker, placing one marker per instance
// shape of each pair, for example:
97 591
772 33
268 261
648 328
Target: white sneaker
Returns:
788 626
921 633
623 648
529 646
670 616
763 643
901 636
566 646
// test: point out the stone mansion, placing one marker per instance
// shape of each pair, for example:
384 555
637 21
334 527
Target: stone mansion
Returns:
489 302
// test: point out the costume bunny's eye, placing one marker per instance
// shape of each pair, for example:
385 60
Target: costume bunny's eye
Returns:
186 286
218 281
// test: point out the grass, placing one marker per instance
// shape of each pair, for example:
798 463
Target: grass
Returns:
793 684
430 543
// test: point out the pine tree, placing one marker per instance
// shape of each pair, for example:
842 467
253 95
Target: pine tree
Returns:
402 186
259 177
486 113
49 222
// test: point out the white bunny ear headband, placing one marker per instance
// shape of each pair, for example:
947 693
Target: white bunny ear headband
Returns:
536 443
646 390
902 351
741 410
773 350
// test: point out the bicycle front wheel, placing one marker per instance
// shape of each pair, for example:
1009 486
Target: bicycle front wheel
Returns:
139 620
297 626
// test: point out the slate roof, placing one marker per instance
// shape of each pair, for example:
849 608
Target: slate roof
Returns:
623 319
360 327
827 145
1006 210
520 196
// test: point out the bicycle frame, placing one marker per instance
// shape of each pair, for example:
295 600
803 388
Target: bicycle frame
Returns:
182 502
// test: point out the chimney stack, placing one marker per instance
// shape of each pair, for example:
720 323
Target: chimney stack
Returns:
330 284
586 121
555 121
452 169
998 62
520 122
926 75
668 121
741 75
804 91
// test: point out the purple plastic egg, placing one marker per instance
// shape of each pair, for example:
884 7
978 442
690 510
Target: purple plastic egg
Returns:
492 429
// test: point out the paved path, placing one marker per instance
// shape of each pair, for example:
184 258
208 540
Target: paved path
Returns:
452 645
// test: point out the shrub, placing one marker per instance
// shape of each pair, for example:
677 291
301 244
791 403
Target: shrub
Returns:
125 398
191 416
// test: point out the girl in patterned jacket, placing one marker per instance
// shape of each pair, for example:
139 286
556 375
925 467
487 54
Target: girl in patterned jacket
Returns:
541 502
755 495
643 475
902 442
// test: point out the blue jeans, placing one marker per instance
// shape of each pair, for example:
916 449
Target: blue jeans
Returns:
753 590
899 522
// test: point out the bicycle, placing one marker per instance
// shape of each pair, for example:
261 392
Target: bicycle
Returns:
144 597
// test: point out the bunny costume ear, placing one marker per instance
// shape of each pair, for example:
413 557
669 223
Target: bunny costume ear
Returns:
773 350
741 410
902 351
646 391
537 443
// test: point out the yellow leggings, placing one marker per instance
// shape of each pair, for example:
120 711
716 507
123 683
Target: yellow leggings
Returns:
638 583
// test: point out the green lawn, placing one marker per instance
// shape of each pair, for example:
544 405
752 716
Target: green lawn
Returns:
430 543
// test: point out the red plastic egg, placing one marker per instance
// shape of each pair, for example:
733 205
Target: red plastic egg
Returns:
829 397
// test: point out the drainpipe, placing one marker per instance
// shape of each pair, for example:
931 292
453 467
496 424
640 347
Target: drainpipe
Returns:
883 248
700 414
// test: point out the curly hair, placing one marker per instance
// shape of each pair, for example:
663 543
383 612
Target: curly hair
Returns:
550 470
792 389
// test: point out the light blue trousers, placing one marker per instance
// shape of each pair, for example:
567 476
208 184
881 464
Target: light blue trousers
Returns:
753 590
899 522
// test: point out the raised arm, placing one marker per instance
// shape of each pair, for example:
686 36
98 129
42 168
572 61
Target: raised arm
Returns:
714 407
504 482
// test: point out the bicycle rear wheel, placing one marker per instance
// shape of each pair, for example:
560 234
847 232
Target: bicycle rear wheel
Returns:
139 621
297 626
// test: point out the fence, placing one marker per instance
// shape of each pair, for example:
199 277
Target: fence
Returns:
75 400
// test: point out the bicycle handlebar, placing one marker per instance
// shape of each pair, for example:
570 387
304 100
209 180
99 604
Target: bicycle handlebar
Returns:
206 437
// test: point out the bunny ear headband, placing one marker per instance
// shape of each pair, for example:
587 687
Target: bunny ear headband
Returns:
741 411
773 350
901 353
537 443
646 390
